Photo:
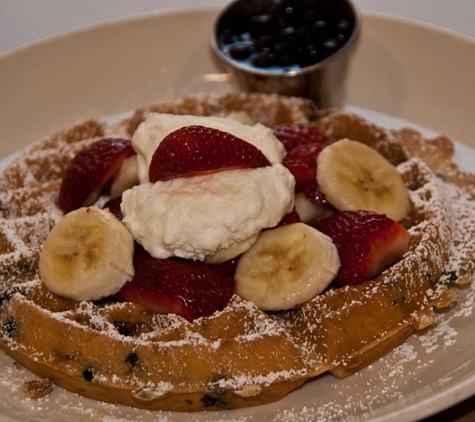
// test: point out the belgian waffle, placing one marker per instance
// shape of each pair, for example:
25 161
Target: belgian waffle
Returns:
120 353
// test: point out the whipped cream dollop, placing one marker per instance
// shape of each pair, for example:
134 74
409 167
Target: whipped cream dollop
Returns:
197 216
157 126
201 216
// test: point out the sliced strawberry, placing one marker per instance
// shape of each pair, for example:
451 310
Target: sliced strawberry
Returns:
290 218
303 173
227 268
188 288
306 154
303 144
367 243
194 150
302 162
294 135
312 192
113 205
90 171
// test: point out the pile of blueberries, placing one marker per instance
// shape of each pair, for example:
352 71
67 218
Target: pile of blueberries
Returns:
289 38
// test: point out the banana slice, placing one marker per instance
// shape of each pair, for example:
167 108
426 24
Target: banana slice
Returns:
286 267
308 210
233 251
354 176
87 255
126 177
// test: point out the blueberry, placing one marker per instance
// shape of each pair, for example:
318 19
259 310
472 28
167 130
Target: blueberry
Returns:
287 32
263 59
87 374
264 41
320 24
209 400
284 55
228 37
343 26
341 38
309 17
241 51
263 24
132 359
330 45
289 10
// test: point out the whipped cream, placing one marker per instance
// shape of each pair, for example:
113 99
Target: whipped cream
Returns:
198 216
151 132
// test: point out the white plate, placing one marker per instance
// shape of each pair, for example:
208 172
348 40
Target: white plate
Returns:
399 71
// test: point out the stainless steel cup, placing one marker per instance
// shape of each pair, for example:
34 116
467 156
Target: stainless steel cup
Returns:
323 82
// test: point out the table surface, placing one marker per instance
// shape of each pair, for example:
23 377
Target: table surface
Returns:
25 21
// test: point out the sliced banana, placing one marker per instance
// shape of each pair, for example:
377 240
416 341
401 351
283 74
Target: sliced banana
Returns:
87 255
308 210
354 176
286 267
233 251
126 177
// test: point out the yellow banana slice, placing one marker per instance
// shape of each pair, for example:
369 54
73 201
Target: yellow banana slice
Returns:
233 251
87 255
286 267
308 210
354 176
126 177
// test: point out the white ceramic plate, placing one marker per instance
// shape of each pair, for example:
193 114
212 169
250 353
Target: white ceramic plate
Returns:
399 76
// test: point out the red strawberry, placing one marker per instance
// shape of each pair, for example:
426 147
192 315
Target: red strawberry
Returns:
188 288
367 243
294 135
303 144
113 205
290 218
192 150
312 192
303 173
306 154
302 162
227 268
90 171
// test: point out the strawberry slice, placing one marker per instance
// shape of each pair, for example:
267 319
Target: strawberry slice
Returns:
367 243
295 135
303 144
302 172
194 150
312 192
302 163
113 205
290 218
90 171
227 268
188 288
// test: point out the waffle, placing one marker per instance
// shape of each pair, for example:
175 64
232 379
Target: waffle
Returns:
241 356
